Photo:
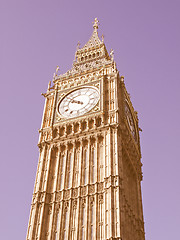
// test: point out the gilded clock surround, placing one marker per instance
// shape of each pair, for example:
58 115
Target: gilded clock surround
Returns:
62 94
78 102
88 182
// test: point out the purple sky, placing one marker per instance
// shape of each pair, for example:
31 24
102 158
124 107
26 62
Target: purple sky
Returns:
38 35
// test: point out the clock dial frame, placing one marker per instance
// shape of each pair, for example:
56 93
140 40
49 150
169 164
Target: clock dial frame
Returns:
130 121
78 102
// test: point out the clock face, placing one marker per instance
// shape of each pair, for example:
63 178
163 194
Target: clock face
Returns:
130 120
78 102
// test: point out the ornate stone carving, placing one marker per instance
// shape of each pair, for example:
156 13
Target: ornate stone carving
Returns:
34 199
91 200
57 207
58 196
42 197
66 205
83 202
83 191
67 194
100 198
51 197
75 204
91 189
100 187
50 210
75 192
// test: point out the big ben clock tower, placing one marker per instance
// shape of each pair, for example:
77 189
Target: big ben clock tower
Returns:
88 182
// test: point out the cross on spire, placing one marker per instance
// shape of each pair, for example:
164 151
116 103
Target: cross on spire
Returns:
96 23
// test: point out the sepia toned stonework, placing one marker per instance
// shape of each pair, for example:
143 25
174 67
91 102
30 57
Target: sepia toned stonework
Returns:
88 182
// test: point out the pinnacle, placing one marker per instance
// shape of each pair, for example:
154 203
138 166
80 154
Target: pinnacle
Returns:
94 39
96 23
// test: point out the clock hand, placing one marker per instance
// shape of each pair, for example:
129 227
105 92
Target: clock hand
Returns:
78 102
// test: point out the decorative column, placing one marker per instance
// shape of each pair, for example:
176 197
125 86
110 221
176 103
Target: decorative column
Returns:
100 220
45 177
39 168
54 105
84 219
73 221
31 222
53 195
95 159
64 183
76 165
39 220
77 234
80 164
72 163
92 219
65 221
60 227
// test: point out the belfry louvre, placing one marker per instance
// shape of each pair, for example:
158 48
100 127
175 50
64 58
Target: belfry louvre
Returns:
88 181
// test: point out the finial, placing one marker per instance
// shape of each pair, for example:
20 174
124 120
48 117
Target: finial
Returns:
78 44
56 72
49 85
122 78
112 54
102 37
57 69
96 24
115 66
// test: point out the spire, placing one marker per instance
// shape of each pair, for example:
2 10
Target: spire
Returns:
96 24
92 55
94 39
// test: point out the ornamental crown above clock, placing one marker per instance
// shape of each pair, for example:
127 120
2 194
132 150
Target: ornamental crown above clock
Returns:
92 55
